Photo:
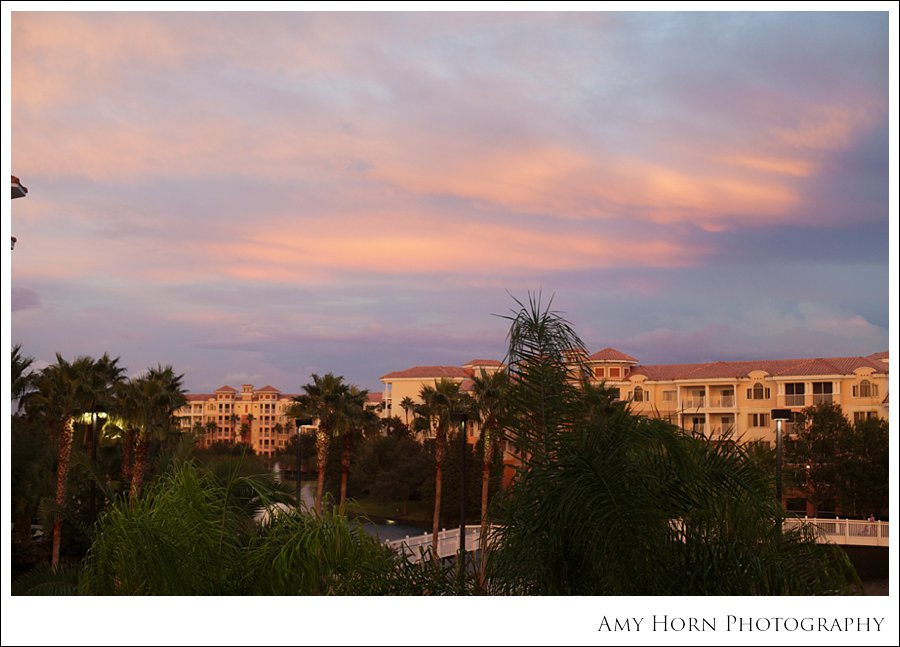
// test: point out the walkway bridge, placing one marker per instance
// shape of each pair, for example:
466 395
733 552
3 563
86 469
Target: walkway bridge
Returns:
846 532
448 544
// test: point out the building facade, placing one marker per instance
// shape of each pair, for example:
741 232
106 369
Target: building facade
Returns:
404 387
255 417
737 398
716 399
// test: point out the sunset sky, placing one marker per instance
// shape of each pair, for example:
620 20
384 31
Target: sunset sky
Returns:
255 197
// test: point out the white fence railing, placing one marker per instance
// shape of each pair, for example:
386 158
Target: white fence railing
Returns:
448 543
848 532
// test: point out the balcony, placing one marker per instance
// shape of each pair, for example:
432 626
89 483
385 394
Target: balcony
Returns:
722 402
819 398
795 400
695 402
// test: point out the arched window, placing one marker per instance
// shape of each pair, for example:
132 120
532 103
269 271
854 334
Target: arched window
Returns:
639 394
865 389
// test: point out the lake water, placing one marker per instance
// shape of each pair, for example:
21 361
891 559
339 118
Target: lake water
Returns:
385 530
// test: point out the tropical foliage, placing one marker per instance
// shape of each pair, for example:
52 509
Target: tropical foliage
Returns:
837 463
609 503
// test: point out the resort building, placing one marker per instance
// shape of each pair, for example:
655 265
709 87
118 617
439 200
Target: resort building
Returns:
737 398
402 388
255 417
714 398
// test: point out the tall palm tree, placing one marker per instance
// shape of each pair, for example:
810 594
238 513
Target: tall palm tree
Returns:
407 404
423 413
60 396
445 401
612 503
211 428
321 400
350 421
489 404
157 395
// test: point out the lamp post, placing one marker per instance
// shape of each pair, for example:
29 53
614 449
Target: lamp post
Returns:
461 417
779 416
300 422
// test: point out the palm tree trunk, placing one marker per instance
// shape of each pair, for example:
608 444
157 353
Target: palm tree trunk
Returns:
127 451
438 481
485 479
62 474
345 467
140 458
321 457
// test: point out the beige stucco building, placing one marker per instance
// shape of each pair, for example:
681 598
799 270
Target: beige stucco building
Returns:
400 385
719 398
256 417
713 398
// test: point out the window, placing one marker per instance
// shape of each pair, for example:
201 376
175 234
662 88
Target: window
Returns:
639 395
822 392
758 392
795 394
614 371
600 372
860 416
865 389
759 419
668 396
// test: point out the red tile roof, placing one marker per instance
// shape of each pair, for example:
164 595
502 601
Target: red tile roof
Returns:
226 388
374 397
268 388
611 355
435 372
198 397
774 367
483 362
883 355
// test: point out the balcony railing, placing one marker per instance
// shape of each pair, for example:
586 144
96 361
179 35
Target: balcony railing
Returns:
795 400
819 398
696 402
724 402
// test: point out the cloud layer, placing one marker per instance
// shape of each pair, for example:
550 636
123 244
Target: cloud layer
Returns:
265 194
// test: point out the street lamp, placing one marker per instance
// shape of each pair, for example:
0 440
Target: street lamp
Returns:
461 417
300 422
779 416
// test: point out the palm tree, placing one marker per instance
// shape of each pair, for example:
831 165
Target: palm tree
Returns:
407 404
321 400
611 503
444 402
489 395
20 379
211 428
350 421
157 395
59 397
423 414
249 429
